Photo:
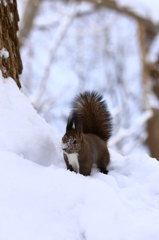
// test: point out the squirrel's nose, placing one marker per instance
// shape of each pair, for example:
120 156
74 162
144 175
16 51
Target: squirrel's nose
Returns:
64 149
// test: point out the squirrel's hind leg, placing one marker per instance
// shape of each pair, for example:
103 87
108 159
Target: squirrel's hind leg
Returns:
105 171
103 162
102 165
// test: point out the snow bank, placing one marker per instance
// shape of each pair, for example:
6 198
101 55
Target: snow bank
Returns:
51 203
22 130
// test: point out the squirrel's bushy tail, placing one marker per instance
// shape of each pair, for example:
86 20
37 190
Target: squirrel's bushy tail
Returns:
93 112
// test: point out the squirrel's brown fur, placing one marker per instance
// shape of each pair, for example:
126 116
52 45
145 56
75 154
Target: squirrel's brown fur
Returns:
85 144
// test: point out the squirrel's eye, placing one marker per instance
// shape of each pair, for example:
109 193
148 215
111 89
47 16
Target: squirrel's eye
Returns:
74 142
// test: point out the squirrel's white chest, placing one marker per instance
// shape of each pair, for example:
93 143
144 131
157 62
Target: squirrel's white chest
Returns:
73 161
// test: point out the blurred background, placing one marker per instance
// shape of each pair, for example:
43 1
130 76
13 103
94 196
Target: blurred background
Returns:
109 46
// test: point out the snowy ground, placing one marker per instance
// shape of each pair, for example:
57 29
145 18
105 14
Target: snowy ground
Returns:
41 200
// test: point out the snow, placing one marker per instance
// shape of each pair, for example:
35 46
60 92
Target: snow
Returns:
51 203
11 16
22 130
40 199
4 53
5 3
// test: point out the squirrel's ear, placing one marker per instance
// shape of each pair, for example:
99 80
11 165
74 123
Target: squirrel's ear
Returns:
79 131
78 125
69 123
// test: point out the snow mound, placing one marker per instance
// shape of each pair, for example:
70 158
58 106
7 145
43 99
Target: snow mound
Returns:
51 203
22 130
48 203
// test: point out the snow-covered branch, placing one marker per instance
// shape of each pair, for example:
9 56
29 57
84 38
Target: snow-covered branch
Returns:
66 22
124 133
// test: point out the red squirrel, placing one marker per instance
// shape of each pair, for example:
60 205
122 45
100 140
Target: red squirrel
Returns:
88 129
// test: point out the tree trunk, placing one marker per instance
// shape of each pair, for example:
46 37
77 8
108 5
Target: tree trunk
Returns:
153 123
143 53
10 60
153 134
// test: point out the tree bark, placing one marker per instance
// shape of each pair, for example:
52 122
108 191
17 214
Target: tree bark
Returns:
10 59
153 123
143 53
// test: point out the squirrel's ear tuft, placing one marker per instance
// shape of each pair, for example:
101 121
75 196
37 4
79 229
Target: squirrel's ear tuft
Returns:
69 123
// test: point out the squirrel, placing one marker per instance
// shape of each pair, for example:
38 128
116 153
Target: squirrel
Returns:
86 142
